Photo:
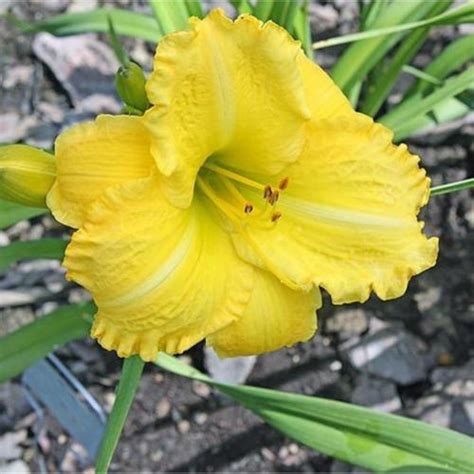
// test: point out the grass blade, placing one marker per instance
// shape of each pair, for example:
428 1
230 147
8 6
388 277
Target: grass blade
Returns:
33 249
242 6
194 8
379 89
449 60
263 8
360 58
452 187
21 348
129 380
403 119
171 16
371 439
126 23
11 213
302 28
462 14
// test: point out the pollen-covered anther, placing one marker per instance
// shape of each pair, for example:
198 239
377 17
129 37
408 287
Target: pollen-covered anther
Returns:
276 216
273 198
248 208
284 183
267 192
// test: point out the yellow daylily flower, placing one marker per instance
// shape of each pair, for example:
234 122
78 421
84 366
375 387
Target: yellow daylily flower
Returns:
249 184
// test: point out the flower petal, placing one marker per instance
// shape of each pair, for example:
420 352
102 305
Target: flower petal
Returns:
162 278
94 156
324 98
230 90
276 316
348 215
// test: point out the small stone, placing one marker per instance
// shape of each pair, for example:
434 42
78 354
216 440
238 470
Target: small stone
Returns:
391 353
233 370
200 418
427 299
109 400
156 455
158 378
201 389
10 445
268 454
184 426
377 394
15 467
163 408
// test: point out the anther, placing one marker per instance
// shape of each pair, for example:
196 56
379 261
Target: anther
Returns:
248 208
276 216
273 198
267 192
284 183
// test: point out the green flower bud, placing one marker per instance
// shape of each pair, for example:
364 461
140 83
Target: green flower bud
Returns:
26 174
130 84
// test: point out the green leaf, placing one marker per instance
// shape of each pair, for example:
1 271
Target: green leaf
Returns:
379 88
404 118
371 439
117 47
125 393
360 58
33 249
194 8
263 9
242 6
21 348
455 55
11 213
126 23
171 16
462 14
302 28
452 187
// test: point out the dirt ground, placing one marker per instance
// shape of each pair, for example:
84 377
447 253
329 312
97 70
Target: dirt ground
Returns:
427 370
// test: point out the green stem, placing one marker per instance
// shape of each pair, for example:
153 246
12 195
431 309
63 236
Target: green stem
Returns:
128 384
452 187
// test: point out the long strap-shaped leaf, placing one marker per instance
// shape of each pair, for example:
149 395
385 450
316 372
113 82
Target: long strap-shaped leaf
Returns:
129 381
404 118
355 434
34 341
33 249
11 213
125 22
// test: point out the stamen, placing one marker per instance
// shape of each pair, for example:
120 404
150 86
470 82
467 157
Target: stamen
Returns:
276 216
221 204
248 208
267 192
284 183
273 198
234 176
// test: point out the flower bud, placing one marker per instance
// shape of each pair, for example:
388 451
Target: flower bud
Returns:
26 174
130 84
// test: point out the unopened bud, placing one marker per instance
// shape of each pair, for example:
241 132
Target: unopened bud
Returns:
130 84
26 174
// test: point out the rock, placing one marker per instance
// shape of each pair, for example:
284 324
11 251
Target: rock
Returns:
10 445
376 393
19 298
347 323
451 400
15 467
232 370
84 66
391 353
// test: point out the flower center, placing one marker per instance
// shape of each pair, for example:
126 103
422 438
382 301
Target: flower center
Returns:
226 189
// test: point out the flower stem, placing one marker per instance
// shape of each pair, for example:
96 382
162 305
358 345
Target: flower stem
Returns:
452 187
